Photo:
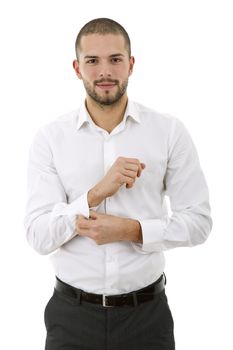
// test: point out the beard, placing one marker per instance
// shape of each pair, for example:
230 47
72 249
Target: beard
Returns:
107 98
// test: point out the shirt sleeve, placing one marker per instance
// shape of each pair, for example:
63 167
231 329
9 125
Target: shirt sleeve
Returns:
185 185
49 219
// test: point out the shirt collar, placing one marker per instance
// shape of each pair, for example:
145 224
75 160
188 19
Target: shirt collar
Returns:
83 116
131 111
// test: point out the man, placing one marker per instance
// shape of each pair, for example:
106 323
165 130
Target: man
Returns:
97 183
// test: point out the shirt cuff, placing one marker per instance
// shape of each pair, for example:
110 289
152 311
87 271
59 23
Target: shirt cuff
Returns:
78 207
152 236
69 212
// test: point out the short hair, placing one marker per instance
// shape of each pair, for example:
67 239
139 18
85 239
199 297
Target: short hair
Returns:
102 26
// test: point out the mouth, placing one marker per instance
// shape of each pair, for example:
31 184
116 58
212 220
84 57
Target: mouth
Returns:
106 85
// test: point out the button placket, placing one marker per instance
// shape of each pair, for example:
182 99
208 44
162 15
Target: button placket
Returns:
109 158
111 269
111 259
109 154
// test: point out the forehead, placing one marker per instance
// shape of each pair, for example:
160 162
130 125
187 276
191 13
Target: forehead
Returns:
102 45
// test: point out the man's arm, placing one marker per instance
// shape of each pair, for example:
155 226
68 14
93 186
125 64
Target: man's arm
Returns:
50 221
185 185
124 171
103 228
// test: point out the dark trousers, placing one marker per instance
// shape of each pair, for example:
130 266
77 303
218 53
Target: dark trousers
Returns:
74 326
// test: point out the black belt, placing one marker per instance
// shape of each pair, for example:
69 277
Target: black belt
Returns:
130 299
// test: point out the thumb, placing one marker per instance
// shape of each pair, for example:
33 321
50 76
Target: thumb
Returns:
143 165
93 215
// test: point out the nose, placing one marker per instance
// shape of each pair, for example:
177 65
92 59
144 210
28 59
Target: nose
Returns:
105 71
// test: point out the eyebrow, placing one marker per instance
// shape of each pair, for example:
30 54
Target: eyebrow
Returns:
113 55
117 54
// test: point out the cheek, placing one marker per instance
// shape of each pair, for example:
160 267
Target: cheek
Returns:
122 72
89 74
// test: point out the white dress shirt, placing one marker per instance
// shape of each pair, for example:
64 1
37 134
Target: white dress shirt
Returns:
71 154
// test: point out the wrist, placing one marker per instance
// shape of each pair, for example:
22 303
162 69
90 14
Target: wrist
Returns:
134 231
93 197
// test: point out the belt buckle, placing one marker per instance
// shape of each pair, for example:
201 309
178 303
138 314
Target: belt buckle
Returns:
104 300
104 304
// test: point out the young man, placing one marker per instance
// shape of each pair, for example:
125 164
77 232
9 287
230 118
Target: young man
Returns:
97 182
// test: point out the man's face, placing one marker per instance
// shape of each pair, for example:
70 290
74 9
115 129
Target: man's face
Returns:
104 66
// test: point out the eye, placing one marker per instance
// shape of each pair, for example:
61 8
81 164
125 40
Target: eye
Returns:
116 60
91 61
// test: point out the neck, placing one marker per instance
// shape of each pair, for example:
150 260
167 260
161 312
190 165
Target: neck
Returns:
107 117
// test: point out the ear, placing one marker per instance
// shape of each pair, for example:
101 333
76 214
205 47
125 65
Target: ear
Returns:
131 64
77 69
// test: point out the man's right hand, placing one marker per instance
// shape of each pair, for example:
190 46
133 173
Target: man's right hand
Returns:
124 171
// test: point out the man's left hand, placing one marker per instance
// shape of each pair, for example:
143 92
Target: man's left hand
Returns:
104 228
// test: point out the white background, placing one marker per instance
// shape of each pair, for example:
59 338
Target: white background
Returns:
184 61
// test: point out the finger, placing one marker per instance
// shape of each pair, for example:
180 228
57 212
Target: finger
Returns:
140 168
93 215
129 182
79 219
130 173
131 166
83 224
129 185
143 165
132 160
134 164
84 232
